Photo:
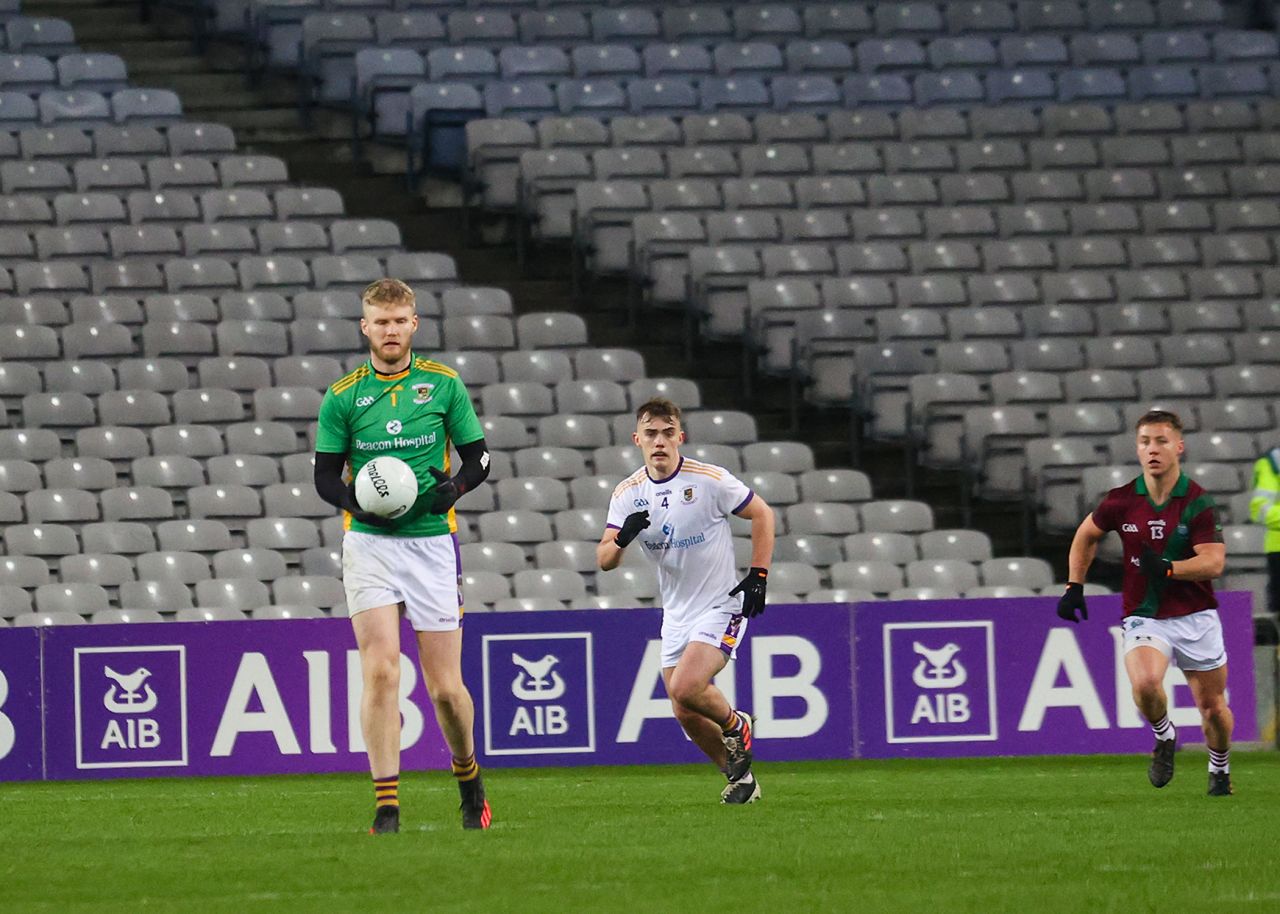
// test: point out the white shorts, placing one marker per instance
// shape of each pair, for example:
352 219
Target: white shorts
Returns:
1192 642
422 572
723 627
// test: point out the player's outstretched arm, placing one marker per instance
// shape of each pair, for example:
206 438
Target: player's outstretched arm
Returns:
331 487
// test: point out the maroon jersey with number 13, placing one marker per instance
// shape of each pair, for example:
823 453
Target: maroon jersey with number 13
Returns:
1173 529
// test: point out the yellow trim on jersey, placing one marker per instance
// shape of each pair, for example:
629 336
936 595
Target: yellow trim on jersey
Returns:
635 479
697 466
699 472
453 518
437 367
398 376
347 381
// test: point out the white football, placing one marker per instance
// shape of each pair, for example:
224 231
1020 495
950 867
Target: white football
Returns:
386 486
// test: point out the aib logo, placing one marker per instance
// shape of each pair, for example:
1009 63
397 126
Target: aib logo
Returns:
536 681
538 694
939 682
131 707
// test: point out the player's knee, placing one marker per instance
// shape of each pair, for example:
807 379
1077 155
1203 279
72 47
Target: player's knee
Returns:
684 692
1147 688
1214 710
382 674
447 696
683 713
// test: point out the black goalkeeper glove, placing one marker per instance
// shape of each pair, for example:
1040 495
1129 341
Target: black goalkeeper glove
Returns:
444 494
752 588
631 528
1072 600
352 506
1154 565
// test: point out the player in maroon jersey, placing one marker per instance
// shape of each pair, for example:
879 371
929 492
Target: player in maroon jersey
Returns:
1172 549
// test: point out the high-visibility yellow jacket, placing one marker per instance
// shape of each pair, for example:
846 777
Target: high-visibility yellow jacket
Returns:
1264 506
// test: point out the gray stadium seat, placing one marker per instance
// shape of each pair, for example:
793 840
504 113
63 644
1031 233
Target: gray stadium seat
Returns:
121 538
967 545
71 598
27 571
502 558
92 473
101 569
896 516
878 577
137 503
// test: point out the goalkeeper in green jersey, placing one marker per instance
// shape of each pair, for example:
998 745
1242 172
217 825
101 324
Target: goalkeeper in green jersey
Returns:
400 404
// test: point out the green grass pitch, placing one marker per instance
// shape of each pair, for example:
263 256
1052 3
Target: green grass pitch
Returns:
1085 834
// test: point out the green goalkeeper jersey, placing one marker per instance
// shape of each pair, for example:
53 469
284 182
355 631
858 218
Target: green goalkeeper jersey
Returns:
413 415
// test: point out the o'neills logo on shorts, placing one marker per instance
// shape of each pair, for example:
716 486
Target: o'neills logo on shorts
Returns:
397 442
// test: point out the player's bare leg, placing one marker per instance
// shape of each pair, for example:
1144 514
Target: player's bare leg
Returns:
1146 667
378 638
704 732
692 691
440 654
1209 688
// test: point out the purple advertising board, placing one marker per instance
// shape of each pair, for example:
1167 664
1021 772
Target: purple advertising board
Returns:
21 753
944 678
1008 677
269 697
576 687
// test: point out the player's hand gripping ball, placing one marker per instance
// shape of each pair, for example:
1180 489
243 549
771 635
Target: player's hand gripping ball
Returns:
386 487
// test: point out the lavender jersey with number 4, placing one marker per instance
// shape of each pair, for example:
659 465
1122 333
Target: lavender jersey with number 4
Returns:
688 536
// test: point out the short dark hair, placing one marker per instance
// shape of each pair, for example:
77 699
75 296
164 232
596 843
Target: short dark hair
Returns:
1159 417
658 408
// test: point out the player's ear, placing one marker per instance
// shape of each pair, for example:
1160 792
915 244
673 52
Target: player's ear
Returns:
683 437
364 327
635 439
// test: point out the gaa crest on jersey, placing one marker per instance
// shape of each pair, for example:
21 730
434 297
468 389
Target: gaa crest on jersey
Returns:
689 495
422 393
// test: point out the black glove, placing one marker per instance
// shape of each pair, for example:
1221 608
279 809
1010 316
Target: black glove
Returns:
1072 600
444 494
1154 565
353 508
631 528
752 588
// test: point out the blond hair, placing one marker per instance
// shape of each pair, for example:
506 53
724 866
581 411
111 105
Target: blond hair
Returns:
387 293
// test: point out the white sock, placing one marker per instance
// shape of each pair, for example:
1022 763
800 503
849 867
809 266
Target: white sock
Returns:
1219 762
1163 729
